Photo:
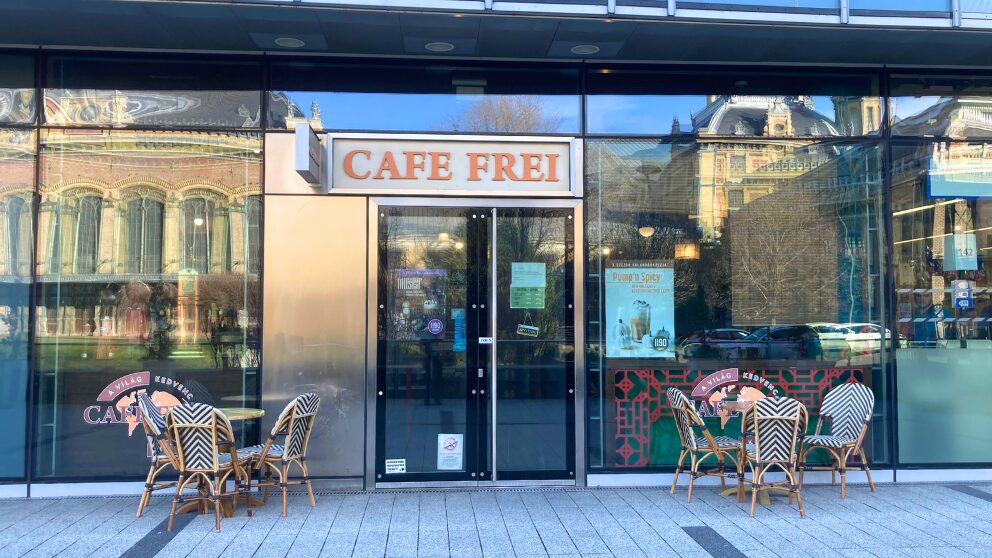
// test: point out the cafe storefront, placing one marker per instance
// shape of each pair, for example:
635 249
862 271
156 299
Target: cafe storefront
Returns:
489 272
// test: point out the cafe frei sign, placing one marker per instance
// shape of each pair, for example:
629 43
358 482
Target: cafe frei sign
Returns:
416 164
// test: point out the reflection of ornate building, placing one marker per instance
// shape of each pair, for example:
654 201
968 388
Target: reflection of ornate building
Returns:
735 173
126 208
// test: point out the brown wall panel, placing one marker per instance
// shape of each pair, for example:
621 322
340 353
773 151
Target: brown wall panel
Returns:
314 318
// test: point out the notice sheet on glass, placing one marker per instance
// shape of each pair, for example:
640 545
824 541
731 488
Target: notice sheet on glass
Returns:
528 283
640 309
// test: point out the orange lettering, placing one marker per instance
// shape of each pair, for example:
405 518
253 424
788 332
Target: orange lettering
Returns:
349 162
412 164
439 162
552 167
504 164
477 162
388 165
532 167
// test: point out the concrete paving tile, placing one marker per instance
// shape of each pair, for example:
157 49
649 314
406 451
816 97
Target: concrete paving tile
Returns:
402 544
432 543
464 543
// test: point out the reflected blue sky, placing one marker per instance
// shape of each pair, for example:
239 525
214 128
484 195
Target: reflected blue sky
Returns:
777 3
653 114
976 6
608 114
416 112
902 5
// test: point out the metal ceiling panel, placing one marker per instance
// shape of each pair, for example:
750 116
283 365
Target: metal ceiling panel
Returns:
516 37
365 32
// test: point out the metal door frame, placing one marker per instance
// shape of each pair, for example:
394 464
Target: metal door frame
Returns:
578 304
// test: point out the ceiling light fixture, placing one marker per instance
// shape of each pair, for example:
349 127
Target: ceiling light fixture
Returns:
585 49
646 231
439 46
290 42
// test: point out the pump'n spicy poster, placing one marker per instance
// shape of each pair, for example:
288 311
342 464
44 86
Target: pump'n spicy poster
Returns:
640 309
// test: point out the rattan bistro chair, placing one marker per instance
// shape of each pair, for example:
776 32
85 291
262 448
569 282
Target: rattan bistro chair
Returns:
206 453
699 448
848 407
295 424
163 451
777 425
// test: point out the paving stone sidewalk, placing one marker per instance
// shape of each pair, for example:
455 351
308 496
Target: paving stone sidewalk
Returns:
929 521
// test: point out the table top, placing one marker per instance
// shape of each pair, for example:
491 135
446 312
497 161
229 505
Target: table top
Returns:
241 413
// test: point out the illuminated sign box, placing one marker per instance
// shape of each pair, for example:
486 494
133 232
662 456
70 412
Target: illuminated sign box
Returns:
416 164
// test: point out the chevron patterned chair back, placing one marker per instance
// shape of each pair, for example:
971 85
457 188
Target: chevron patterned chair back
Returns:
679 402
776 424
198 428
300 425
848 408
161 448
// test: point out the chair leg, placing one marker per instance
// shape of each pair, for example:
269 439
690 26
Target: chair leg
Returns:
175 502
842 463
283 475
798 489
723 474
215 496
267 481
147 492
247 473
678 469
867 470
802 467
306 475
692 476
755 487
740 479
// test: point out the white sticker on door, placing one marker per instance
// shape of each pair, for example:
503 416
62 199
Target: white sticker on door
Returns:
449 452
394 466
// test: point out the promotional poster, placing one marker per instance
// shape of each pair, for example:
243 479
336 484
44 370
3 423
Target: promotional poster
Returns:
417 304
640 309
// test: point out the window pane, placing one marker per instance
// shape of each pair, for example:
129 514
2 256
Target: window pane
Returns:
749 260
982 6
902 5
942 233
731 104
794 4
17 93
941 106
17 167
433 98
134 294
124 92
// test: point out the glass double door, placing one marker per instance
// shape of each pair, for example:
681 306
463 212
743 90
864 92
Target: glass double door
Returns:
475 350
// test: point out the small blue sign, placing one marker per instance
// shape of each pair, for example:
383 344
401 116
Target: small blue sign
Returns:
962 294
435 326
458 345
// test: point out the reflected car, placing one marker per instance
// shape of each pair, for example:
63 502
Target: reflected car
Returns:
778 343
867 338
834 339
708 343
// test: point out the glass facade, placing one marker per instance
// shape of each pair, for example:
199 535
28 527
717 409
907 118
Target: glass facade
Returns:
724 218
813 228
